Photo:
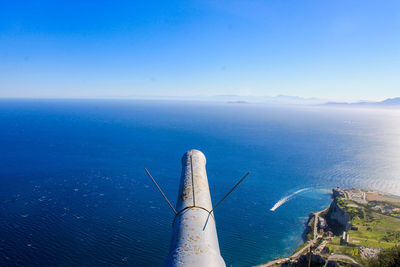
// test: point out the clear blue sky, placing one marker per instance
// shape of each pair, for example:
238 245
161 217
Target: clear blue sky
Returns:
332 49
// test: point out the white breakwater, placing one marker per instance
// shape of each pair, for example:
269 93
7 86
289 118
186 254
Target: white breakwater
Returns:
287 198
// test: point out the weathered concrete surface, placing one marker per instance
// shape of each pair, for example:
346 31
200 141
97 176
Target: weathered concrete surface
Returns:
194 239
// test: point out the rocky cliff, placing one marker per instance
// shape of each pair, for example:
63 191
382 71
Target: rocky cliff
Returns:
307 233
338 219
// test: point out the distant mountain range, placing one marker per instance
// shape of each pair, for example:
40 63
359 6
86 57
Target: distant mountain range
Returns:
296 100
390 102
279 99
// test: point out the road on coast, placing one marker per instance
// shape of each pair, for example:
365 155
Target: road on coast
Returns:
301 251
341 257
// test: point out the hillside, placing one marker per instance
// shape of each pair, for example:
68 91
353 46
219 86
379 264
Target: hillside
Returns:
357 226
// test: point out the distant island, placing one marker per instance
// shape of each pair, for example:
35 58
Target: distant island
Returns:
353 230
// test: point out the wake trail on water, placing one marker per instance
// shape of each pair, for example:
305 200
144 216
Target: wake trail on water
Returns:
287 198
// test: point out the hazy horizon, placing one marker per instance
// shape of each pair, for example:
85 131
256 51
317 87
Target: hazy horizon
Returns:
276 99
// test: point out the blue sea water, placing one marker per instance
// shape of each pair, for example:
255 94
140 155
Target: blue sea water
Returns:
73 190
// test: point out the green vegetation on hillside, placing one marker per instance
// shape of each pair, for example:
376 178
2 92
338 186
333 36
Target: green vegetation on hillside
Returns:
337 248
387 258
373 229
369 229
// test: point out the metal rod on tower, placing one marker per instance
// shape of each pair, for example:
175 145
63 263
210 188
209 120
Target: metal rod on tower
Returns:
233 188
159 189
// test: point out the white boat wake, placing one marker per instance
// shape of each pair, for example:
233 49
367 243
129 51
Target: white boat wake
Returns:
287 198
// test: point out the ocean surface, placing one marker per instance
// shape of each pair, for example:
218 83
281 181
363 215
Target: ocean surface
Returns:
73 191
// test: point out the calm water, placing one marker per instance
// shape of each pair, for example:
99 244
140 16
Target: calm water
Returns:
73 190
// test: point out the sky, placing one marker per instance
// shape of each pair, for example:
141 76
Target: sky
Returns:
336 49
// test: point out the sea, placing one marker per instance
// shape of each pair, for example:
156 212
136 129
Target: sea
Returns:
73 190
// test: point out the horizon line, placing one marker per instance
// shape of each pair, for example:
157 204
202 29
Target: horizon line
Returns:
213 98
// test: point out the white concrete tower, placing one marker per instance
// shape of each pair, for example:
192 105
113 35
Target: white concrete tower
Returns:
194 239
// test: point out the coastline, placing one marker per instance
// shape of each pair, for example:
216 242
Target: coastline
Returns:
336 234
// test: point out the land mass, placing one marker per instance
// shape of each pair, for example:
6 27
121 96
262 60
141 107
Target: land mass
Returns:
390 102
356 227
